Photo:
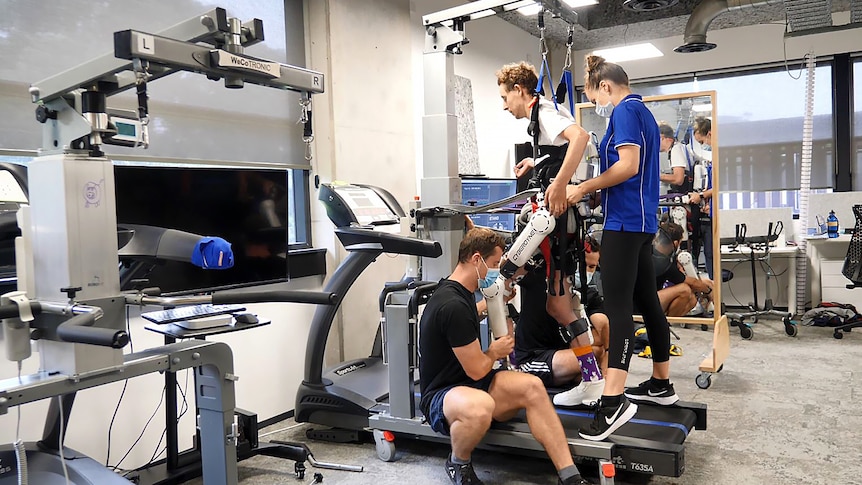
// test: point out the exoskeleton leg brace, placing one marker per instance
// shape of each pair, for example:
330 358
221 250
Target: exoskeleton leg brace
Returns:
495 297
579 326
684 258
540 225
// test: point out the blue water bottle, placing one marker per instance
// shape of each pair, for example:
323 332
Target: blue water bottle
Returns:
832 225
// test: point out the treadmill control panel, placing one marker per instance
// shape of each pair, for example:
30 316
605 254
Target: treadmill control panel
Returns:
351 205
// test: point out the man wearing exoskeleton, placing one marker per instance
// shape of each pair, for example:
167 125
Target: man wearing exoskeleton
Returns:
559 146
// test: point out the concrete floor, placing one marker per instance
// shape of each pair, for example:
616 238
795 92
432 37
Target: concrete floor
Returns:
783 411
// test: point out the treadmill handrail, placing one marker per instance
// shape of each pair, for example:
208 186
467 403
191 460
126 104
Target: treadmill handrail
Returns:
389 243
420 297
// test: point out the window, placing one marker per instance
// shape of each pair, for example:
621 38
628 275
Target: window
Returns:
760 118
191 117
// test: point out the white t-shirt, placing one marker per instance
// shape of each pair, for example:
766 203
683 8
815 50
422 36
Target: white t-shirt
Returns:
553 122
677 158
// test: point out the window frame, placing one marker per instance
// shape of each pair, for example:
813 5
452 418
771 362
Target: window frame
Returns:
841 66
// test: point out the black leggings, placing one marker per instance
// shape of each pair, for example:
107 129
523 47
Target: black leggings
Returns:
628 276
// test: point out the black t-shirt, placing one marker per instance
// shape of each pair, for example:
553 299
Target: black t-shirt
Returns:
449 320
673 274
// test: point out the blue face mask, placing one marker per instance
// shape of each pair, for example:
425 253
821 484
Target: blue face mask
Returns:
604 110
490 278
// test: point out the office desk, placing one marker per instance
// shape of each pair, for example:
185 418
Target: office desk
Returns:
822 249
785 284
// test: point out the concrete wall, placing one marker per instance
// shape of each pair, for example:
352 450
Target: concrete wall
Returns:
364 134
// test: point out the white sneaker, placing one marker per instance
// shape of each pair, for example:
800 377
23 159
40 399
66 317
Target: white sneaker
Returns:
584 393
697 310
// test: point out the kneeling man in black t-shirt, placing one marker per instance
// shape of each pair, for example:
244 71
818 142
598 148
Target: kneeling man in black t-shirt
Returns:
461 392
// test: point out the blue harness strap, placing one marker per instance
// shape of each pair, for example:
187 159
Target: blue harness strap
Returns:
540 88
566 90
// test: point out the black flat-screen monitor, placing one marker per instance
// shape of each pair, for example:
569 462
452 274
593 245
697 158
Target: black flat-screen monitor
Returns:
246 206
481 191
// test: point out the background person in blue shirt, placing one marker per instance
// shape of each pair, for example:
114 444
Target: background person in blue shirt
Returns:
629 183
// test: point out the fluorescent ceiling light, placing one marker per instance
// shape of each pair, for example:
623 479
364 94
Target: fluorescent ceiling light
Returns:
482 14
629 52
701 108
530 9
516 5
580 3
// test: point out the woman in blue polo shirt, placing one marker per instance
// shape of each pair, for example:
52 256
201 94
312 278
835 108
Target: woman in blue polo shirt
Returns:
629 183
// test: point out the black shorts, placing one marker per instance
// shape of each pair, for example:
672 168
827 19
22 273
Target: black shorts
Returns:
434 414
540 363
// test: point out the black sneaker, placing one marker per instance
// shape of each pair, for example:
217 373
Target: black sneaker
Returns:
461 474
648 392
575 480
609 419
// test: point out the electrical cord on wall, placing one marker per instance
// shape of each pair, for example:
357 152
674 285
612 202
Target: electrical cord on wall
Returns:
122 393
772 274
730 286
20 451
184 407
161 400
784 46
62 439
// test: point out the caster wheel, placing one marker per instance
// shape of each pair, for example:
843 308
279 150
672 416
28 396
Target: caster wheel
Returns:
684 325
734 322
838 335
385 444
790 329
703 381
299 470
704 327
720 368
745 331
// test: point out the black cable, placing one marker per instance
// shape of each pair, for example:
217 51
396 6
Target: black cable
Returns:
183 410
161 400
730 288
123 393
784 46
156 452
773 275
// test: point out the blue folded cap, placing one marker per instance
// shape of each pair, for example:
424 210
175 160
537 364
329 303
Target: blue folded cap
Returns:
212 253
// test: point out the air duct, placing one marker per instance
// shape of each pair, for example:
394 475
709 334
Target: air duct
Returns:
648 5
704 14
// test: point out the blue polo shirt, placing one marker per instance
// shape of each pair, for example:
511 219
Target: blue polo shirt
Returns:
632 205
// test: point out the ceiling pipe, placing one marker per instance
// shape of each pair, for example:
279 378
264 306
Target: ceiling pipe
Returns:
704 14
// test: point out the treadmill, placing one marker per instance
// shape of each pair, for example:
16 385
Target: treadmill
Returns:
343 396
381 395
